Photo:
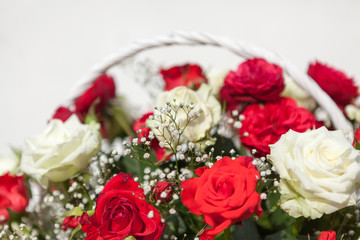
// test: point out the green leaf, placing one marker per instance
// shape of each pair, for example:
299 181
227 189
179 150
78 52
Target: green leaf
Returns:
130 238
75 231
281 220
90 213
272 201
122 120
136 164
282 235
86 177
247 231
16 151
76 211
91 115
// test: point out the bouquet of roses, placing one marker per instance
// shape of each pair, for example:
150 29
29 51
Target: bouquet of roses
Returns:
239 154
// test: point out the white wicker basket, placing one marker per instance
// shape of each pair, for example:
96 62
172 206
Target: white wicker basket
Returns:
237 47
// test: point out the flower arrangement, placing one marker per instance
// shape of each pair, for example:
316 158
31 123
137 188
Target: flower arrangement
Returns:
244 154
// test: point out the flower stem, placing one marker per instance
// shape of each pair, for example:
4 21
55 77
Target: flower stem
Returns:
227 234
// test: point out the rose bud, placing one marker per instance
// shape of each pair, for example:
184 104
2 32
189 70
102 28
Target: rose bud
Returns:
187 75
70 222
163 191
103 89
327 235
62 113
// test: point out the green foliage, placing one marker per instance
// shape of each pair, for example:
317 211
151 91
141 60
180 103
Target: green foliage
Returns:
135 163
75 231
76 211
130 238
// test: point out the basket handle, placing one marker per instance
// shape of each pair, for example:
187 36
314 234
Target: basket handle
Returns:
238 48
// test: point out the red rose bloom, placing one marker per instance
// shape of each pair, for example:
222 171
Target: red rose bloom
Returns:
161 187
264 124
357 134
187 75
102 89
140 124
225 194
62 113
231 97
70 222
122 211
340 88
13 195
254 80
327 235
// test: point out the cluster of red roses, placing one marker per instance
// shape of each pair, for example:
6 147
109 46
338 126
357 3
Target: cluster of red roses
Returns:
224 194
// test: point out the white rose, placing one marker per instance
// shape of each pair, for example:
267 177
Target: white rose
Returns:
8 164
353 112
216 79
295 92
61 151
205 105
319 172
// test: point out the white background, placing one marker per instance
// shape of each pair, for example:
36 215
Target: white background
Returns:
47 45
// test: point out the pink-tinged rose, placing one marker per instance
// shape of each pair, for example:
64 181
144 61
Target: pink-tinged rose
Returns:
102 90
225 194
254 80
264 124
327 235
341 89
187 75
122 211
13 195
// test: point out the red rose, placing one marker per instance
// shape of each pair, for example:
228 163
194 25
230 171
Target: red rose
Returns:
340 88
264 124
140 124
102 89
70 222
13 195
186 75
225 194
161 188
327 235
254 80
4 215
357 134
62 113
231 97
122 211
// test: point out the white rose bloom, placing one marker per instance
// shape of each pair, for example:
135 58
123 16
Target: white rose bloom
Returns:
216 79
61 151
353 112
295 92
8 164
319 172
205 104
